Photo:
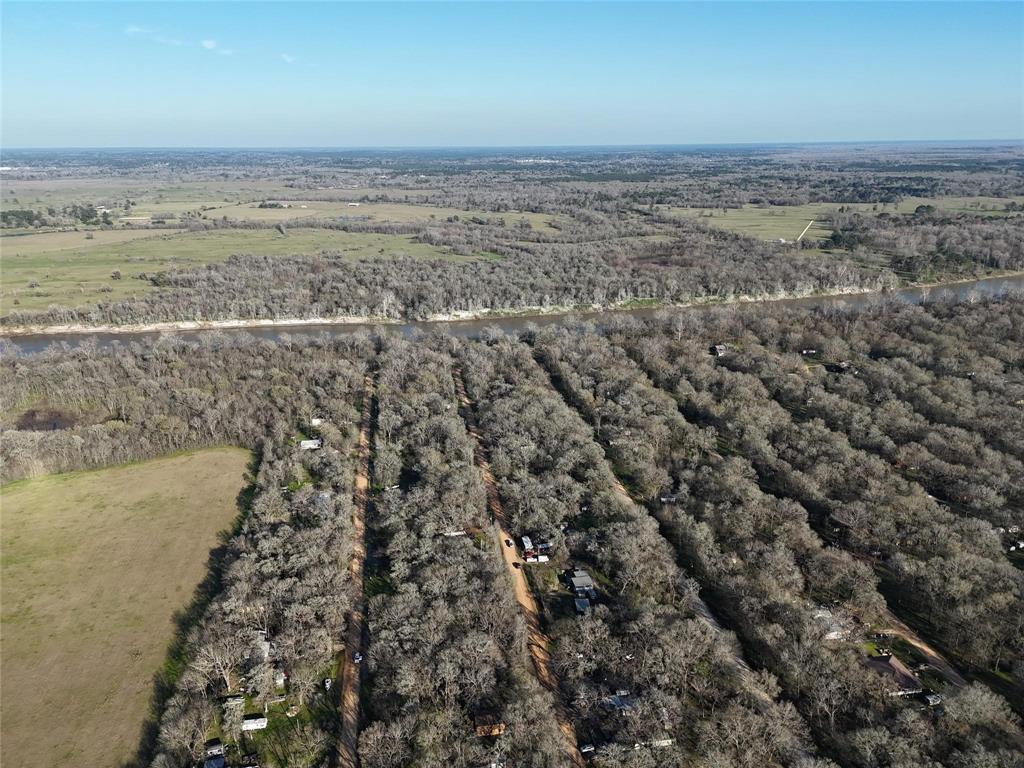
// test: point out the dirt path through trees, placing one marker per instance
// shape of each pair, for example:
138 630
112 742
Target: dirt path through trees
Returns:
349 671
932 656
537 640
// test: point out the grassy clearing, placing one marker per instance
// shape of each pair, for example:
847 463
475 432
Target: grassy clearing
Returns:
234 199
787 222
376 212
94 566
80 277
36 243
150 197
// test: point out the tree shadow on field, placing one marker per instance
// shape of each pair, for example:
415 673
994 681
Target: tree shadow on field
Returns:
187 620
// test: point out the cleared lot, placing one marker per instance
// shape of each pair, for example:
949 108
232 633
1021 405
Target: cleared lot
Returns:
94 566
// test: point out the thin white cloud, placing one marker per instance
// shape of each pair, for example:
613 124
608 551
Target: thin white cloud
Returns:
133 30
287 59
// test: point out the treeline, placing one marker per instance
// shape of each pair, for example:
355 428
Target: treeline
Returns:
926 243
447 643
551 275
145 400
797 603
645 681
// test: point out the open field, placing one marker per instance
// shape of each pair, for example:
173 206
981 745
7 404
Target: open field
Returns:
376 212
35 243
149 196
81 276
236 200
787 222
94 566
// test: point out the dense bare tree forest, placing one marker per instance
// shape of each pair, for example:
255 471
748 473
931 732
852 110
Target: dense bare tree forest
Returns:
646 225
761 536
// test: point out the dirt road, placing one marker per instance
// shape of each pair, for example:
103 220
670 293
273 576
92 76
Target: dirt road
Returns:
894 626
536 639
348 670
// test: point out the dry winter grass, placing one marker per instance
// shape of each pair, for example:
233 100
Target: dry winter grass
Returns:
94 566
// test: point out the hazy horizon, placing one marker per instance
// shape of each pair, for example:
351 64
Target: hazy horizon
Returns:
520 147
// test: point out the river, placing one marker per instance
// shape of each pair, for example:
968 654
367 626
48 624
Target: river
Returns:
960 291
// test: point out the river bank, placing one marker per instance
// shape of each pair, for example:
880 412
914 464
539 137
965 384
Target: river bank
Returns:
631 305
31 340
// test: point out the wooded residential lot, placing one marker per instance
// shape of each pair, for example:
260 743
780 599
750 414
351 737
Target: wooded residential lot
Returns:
761 536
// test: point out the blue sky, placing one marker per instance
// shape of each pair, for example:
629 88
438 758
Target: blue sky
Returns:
487 74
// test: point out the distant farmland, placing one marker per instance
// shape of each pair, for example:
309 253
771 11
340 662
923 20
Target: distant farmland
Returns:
94 566
71 271
786 222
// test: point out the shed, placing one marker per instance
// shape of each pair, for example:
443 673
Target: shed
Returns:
582 584
488 725
262 646
217 761
311 445
582 606
844 366
254 722
718 350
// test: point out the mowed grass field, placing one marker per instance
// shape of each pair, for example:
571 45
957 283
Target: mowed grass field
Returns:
94 565
74 272
787 222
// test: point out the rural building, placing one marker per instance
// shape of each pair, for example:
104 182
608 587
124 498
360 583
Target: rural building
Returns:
262 647
834 627
844 366
488 725
311 445
255 722
582 584
622 702
535 550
